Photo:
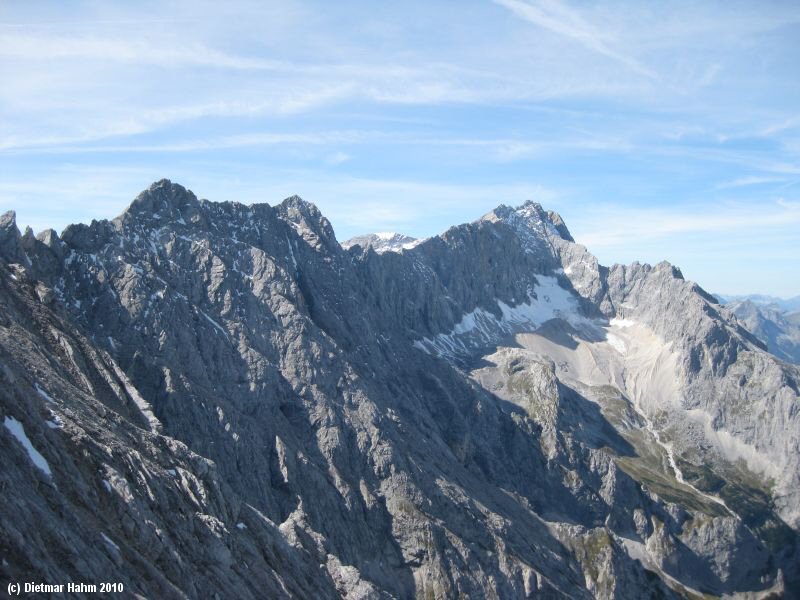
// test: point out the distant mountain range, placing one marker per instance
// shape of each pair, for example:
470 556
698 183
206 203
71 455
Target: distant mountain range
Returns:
774 321
784 304
383 242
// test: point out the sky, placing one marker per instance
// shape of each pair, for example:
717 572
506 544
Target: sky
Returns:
659 131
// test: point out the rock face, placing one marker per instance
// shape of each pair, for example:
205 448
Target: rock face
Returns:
209 398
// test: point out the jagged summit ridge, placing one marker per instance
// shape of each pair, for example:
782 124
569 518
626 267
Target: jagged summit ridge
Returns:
531 222
164 199
308 221
162 195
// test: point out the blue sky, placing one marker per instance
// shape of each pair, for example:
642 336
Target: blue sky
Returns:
663 130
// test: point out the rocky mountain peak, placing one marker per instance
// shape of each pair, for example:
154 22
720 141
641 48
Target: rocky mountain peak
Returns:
9 234
531 207
529 218
296 202
307 220
560 225
8 220
529 210
164 200
535 227
49 237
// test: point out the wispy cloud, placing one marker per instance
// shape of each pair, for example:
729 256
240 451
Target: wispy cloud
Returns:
496 149
245 140
748 181
337 158
419 208
619 226
48 46
563 20
785 125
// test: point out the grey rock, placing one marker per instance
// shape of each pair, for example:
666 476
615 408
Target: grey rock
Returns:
231 402
9 236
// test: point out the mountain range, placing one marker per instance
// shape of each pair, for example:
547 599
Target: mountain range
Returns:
775 321
788 305
207 399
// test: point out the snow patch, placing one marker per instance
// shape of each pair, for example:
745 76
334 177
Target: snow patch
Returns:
624 323
16 429
216 325
109 541
291 253
56 422
142 404
481 328
43 394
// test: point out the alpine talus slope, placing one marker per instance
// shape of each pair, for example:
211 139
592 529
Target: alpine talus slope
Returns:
209 398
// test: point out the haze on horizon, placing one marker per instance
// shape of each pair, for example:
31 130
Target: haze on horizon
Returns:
657 132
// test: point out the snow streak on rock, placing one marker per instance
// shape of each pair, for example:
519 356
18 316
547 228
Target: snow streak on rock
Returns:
481 328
